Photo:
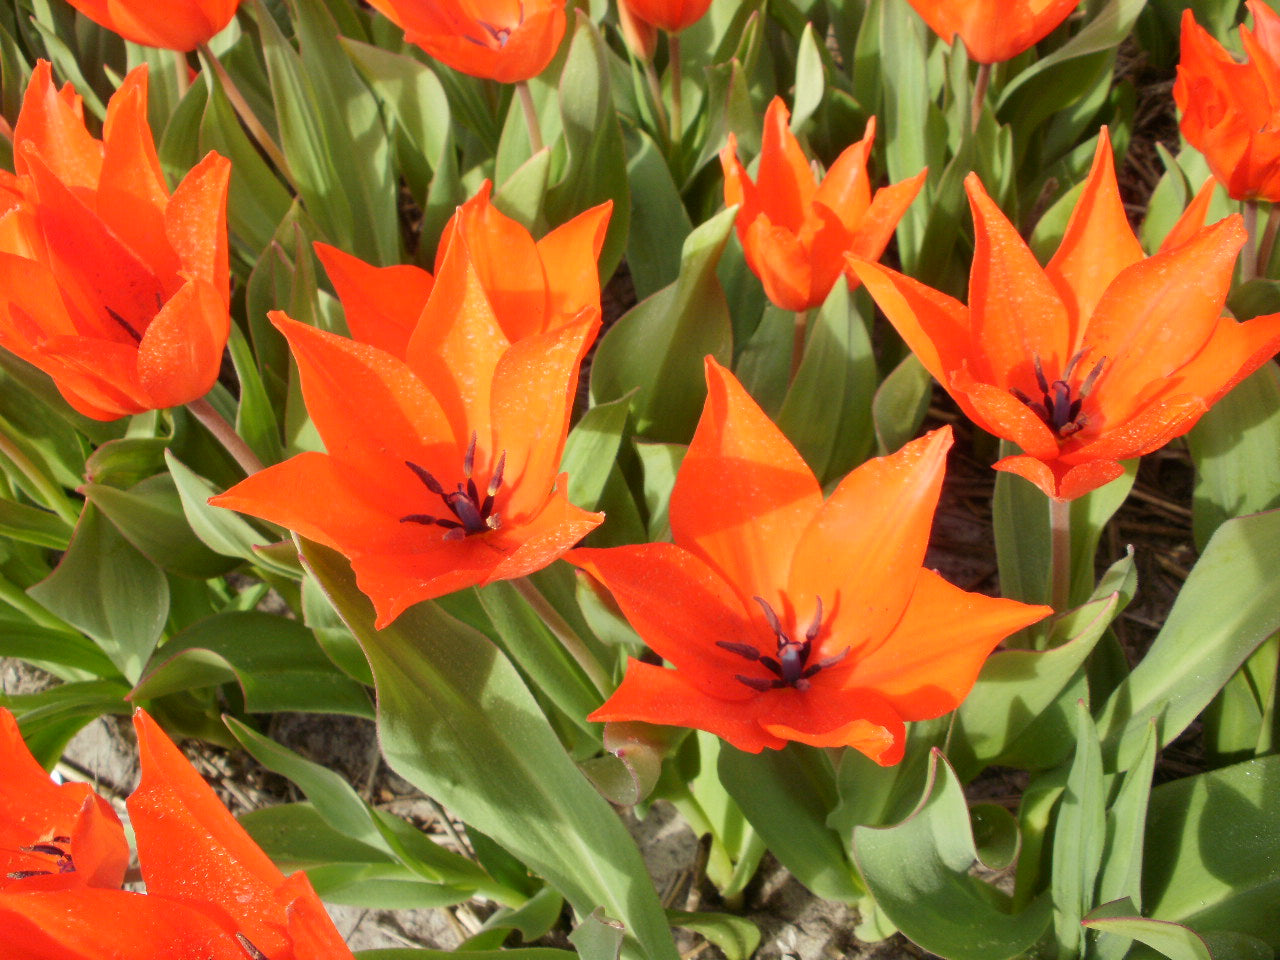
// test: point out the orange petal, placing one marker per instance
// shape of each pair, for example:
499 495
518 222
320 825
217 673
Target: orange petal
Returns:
888 205
781 262
784 183
190 846
862 550
98 378
1014 310
382 304
53 123
930 661
534 385
526 52
1153 427
827 717
1044 475
846 189
196 222
181 351
1097 245
666 697
1000 412
1232 352
1193 218
570 255
680 607
311 930
545 537
738 186
829 241
743 495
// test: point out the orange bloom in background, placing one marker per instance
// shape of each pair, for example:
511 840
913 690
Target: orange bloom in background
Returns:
640 36
53 836
445 473
109 284
1101 356
173 25
795 232
504 40
1230 110
994 30
788 617
670 15
211 891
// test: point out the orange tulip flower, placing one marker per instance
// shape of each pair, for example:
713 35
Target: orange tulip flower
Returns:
53 836
504 40
1230 110
444 472
670 15
994 30
1099 357
173 25
211 891
788 617
109 284
795 232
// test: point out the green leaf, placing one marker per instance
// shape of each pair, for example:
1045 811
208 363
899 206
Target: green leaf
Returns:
528 953
296 836
33 525
737 937
1171 940
276 662
457 722
809 78
900 404
656 348
1227 607
661 463
1213 850
598 937
1078 836
659 222
591 449
106 588
918 872
381 886
63 654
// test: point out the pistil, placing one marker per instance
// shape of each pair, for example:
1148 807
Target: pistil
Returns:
471 512
791 666
1059 405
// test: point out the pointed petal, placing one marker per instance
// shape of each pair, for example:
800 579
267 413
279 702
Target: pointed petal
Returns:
98 378
827 717
1097 245
743 494
1233 351
311 931
778 258
382 304
875 230
666 697
935 326
190 846
929 663
570 255
546 537
396 581
846 189
534 384
864 548
1014 310
196 222
1000 412
53 123
1153 427
1058 479
738 187
181 351
680 607
828 243
1192 220
784 184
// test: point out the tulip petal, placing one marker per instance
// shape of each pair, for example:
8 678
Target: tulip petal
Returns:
1000 412
666 697
98 378
1097 245
876 227
1193 218
53 122
545 537
382 304
680 607
743 495
861 719
181 351
569 255
846 189
778 258
785 183
738 186
196 222
924 671
861 552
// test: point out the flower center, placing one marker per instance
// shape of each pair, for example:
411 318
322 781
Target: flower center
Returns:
1059 405
496 35
56 848
471 512
791 666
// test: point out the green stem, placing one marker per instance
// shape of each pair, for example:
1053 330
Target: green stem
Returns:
1060 536
797 342
1249 262
979 95
567 636
51 494
226 435
245 112
677 106
1268 243
659 108
530 115
181 72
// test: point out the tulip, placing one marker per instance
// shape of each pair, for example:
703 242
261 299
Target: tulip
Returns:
445 473
109 284
670 15
173 25
1230 110
790 617
505 40
994 30
1101 356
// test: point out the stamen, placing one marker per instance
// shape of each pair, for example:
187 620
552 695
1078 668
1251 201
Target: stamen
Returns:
250 950
472 514
23 874
791 667
128 327
431 482
1059 406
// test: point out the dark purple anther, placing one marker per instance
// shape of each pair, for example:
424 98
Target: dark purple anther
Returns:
791 667
472 513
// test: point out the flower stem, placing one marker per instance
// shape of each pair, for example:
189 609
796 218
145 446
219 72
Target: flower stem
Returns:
50 493
245 112
1249 263
677 106
568 638
1268 243
181 72
797 343
1060 538
659 108
979 95
226 435
530 115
